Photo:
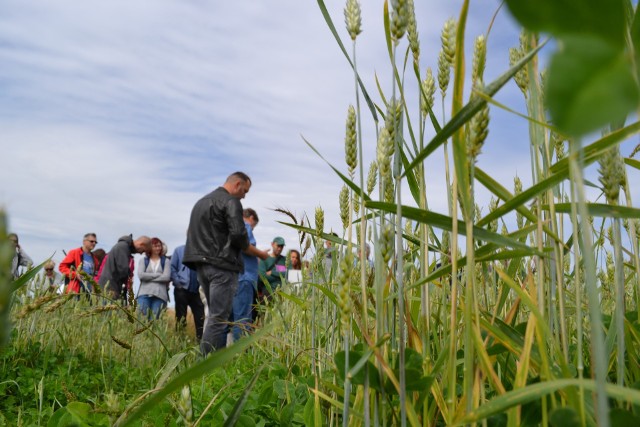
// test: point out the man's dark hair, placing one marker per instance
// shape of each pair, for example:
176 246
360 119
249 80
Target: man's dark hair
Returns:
90 235
239 175
248 213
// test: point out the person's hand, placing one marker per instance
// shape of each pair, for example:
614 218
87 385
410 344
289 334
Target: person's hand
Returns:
264 255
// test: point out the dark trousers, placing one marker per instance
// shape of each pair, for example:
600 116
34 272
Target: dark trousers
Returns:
219 287
185 299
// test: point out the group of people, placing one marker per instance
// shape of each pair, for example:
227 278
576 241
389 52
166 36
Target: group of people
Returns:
220 258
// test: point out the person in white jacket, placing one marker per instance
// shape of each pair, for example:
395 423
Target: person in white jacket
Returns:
154 271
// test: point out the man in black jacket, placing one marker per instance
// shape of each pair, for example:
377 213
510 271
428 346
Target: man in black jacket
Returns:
215 241
117 269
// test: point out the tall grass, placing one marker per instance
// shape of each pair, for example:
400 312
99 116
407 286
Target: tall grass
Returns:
461 321
525 315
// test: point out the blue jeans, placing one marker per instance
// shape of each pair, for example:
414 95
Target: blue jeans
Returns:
241 315
149 305
219 287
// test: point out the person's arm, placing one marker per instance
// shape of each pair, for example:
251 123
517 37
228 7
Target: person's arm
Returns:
146 276
253 251
165 276
237 231
66 265
176 264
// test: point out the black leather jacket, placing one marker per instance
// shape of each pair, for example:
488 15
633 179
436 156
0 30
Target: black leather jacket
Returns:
216 234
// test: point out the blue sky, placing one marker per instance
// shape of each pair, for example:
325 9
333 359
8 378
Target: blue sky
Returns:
115 117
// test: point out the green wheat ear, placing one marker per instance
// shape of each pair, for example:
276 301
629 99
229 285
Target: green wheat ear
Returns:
611 174
372 176
448 40
344 206
350 142
353 18
412 33
399 19
319 221
444 73
428 93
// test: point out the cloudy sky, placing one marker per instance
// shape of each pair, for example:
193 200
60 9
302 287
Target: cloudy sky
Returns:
116 117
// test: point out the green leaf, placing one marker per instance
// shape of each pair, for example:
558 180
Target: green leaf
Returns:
445 222
560 171
600 210
603 18
621 418
215 360
357 362
590 84
469 110
239 406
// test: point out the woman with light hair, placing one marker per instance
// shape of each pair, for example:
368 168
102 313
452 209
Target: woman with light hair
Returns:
49 282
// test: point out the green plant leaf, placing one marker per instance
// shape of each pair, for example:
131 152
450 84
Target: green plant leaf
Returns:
469 110
604 18
357 362
445 222
590 84
215 360
242 401
600 210
560 171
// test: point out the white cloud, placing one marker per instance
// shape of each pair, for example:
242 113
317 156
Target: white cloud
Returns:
115 117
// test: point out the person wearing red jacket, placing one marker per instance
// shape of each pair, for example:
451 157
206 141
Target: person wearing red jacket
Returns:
80 259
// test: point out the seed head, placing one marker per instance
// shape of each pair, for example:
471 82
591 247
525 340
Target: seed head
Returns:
319 221
448 39
612 174
478 131
372 176
558 145
387 182
384 151
392 120
446 247
399 19
479 59
121 343
344 206
386 242
493 205
522 76
184 406
444 73
350 143
412 33
428 93
353 18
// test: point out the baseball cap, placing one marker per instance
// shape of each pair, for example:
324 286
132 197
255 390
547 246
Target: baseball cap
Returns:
278 240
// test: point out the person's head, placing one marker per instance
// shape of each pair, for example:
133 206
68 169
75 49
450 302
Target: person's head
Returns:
89 242
277 245
294 256
238 184
13 237
155 248
142 244
99 254
48 267
250 217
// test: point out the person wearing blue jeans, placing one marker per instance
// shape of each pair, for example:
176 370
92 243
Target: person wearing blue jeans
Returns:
216 239
247 281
